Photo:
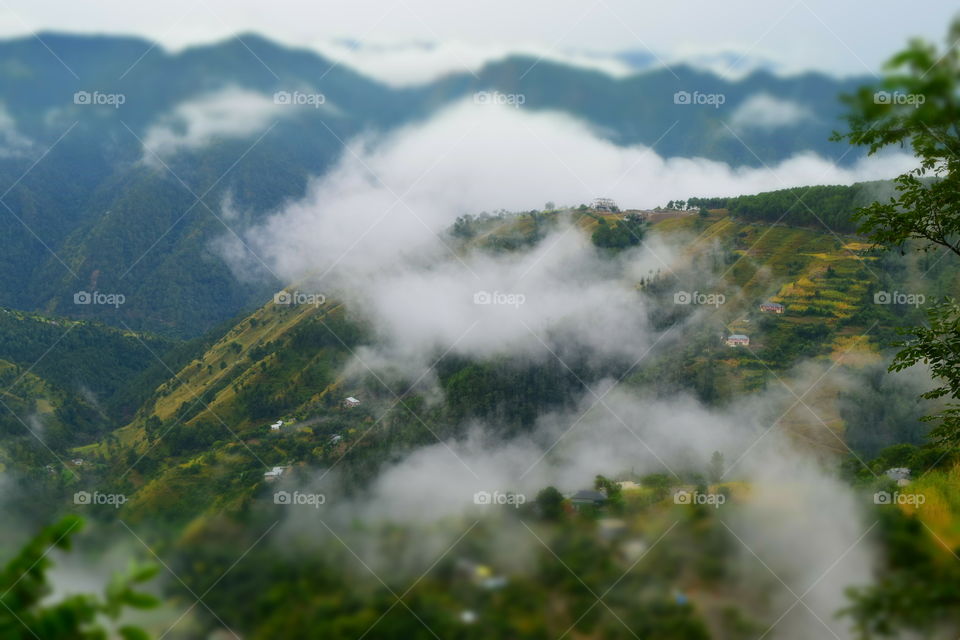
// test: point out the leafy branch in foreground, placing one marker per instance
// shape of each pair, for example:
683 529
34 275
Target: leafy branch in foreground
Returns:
916 104
939 347
24 587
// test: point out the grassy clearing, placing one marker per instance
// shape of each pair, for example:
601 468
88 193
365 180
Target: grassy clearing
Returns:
941 509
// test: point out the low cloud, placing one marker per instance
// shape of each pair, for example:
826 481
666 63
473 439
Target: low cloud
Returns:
402 64
765 112
228 113
372 232
12 141
551 301
805 525
394 195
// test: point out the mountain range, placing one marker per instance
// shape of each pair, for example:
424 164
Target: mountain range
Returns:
124 163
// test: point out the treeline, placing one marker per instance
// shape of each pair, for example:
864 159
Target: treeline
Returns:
65 352
830 205
84 357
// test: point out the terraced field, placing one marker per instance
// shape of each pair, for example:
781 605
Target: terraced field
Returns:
820 278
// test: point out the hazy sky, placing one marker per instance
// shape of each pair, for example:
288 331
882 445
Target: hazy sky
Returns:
843 37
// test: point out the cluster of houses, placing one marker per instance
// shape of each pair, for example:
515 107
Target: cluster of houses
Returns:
741 340
608 205
594 497
349 403
276 473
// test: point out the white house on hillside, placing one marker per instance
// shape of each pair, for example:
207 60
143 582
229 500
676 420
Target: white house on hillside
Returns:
276 425
273 474
900 474
351 402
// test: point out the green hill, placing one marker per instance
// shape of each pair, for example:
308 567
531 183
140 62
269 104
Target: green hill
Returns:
285 362
190 461
66 382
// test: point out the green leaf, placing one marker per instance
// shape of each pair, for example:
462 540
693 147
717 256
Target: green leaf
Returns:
133 633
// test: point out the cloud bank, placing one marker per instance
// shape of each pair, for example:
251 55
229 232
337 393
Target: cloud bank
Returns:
800 523
372 231
230 112
394 196
765 112
416 63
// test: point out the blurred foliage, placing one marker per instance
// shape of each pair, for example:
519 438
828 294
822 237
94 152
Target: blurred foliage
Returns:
916 104
24 589
919 588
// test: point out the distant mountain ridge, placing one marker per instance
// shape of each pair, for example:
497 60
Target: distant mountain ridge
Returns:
85 212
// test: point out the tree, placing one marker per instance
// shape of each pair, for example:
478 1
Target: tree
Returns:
916 103
612 490
602 483
628 232
26 613
463 227
549 503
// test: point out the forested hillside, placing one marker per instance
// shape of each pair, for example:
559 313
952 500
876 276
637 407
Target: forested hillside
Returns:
66 383
823 207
